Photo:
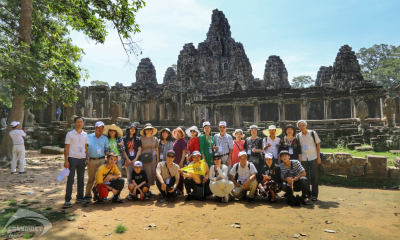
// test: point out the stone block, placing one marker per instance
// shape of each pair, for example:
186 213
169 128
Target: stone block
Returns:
356 171
51 150
364 148
376 167
359 161
394 173
343 159
353 146
329 158
396 162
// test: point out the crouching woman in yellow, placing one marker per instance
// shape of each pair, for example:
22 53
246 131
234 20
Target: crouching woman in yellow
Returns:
108 178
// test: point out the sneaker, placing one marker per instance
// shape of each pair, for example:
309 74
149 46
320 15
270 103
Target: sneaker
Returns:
79 200
130 196
13 172
22 172
163 200
151 194
68 203
251 200
87 197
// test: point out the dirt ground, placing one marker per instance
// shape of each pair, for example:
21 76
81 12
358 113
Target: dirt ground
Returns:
351 213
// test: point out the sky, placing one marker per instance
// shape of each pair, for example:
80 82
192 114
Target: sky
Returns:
306 34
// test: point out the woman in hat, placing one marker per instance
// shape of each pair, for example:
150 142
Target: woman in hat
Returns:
133 149
269 178
290 143
219 184
116 143
149 156
180 149
165 143
271 142
253 146
194 143
206 144
238 145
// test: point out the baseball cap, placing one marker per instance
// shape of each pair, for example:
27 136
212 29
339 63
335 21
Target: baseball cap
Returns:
269 155
63 173
196 153
242 153
283 152
99 124
102 190
15 123
206 124
222 123
171 152
138 164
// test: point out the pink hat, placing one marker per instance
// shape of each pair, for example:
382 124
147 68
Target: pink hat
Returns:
176 130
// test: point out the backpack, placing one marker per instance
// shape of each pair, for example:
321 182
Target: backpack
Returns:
321 154
237 173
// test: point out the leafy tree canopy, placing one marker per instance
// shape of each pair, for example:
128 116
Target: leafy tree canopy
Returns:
99 83
302 81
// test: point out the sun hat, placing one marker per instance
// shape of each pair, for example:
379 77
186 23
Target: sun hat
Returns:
165 129
192 128
253 127
206 124
273 127
222 123
283 152
236 131
242 153
99 124
15 123
138 164
148 126
289 126
196 153
177 130
269 155
63 173
102 190
113 127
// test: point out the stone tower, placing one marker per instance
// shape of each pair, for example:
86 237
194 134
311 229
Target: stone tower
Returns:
145 75
323 76
275 74
169 76
346 72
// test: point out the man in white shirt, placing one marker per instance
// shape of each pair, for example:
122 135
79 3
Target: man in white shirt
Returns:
271 142
310 156
243 176
224 144
76 157
18 150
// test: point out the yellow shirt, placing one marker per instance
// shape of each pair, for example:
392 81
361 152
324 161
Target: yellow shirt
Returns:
102 173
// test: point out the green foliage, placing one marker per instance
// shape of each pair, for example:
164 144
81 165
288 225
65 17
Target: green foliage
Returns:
99 83
48 208
120 229
354 182
28 235
381 63
302 81
12 203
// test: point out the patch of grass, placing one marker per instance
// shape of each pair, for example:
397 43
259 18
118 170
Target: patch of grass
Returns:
28 235
25 201
48 208
36 197
343 181
35 202
120 229
355 153
12 203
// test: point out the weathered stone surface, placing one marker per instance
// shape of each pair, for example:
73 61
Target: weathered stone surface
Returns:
51 150
364 148
145 75
394 173
329 158
275 74
346 72
353 146
169 76
389 109
396 162
356 171
376 167
343 159
359 161
323 76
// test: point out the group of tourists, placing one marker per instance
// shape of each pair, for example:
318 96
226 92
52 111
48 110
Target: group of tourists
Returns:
232 166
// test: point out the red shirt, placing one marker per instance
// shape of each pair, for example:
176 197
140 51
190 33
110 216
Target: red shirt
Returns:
236 150
193 145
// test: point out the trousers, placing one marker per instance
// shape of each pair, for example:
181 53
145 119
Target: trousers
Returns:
240 191
92 170
18 153
78 165
299 185
174 194
221 188
311 168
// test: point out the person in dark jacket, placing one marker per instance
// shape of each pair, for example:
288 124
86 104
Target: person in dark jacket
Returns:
269 178
290 143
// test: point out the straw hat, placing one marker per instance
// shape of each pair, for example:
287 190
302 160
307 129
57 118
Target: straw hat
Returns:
176 130
192 128
148 126
272 127
113 127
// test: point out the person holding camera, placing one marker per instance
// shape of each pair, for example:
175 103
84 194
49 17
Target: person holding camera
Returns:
220 186
167 174
243 176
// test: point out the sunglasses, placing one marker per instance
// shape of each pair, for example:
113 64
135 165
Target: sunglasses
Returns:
192 131
222 127
170 156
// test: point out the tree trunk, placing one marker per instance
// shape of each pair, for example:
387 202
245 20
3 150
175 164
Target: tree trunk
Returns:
17 111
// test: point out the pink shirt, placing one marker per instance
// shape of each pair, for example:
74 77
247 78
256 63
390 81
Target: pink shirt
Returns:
236 150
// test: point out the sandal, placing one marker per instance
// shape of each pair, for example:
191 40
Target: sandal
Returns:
116 200
306 202
314 199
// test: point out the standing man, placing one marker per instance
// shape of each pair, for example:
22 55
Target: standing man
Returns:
76 156
58 113
310 156
243 176
271 142
98 151
18 150
3 118
223 142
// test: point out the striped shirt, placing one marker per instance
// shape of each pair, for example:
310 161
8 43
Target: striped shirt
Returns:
293 170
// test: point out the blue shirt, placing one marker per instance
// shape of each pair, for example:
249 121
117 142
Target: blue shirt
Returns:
58 111
97 143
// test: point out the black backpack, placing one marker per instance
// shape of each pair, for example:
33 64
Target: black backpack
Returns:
321 154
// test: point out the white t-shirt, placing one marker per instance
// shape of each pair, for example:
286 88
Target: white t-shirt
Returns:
308 147
274 146
77 143
17 136
243 172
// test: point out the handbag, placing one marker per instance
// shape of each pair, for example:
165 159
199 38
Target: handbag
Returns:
254 159
147 157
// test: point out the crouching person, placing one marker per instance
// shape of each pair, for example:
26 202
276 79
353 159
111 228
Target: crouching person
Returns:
293 177
109 175
139 182
167 174
243 176
197 186
269 178
220 186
